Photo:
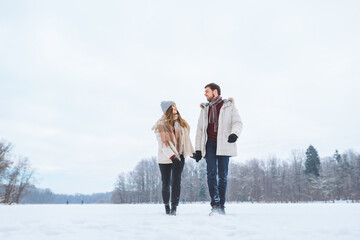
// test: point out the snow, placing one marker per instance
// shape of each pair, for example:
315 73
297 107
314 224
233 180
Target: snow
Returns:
148 221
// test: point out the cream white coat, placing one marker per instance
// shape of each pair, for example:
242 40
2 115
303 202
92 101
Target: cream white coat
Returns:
229 122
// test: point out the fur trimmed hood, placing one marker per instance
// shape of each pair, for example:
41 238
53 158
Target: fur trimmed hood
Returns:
229 100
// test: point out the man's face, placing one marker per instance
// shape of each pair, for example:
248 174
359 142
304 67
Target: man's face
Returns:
209 94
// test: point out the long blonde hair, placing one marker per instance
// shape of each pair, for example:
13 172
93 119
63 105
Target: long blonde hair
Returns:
169 120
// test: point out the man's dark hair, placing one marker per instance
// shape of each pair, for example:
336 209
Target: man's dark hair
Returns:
214 86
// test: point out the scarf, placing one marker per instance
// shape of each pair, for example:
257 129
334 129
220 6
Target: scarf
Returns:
213 112
168 135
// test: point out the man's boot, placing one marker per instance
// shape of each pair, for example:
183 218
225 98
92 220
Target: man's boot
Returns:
214 210
222 209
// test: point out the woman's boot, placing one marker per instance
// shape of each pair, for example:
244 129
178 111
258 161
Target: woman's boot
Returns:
173 210
167 209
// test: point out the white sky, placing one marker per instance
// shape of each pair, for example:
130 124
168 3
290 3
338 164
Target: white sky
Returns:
81 81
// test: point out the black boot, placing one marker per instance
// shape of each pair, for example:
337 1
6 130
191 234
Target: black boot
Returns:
173 210
167 209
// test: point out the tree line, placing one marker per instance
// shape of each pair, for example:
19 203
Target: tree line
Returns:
303 177
15 175
46 196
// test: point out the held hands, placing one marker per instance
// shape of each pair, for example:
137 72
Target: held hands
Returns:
232 138
197 156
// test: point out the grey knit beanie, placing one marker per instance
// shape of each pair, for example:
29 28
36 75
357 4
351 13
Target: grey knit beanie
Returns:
165 105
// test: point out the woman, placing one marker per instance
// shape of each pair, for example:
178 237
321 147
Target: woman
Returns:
172 133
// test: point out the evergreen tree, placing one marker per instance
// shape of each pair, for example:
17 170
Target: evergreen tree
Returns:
312 163
337 156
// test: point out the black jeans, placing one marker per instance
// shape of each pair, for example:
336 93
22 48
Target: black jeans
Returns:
171 175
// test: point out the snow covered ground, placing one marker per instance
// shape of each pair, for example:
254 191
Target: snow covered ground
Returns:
148 221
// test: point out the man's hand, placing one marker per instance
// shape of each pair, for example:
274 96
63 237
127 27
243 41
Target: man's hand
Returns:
197 156
232 138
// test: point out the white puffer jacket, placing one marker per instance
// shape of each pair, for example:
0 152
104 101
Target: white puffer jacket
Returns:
229 122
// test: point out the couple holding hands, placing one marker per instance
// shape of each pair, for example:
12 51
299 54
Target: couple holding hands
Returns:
218 128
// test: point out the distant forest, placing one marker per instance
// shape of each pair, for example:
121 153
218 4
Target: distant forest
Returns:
303 178
46 196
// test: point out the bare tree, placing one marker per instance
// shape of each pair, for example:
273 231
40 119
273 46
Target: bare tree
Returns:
5 163
18 179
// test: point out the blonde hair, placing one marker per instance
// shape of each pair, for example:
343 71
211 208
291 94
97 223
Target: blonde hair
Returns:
169 120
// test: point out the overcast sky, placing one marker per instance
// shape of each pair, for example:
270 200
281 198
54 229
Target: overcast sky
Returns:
81 81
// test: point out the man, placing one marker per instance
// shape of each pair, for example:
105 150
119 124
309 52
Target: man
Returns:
219 126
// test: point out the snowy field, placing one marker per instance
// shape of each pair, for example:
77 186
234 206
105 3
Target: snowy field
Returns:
148 221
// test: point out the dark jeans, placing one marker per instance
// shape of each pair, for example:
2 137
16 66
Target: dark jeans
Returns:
171 175
217 171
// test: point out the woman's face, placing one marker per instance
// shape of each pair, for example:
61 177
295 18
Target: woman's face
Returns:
174 109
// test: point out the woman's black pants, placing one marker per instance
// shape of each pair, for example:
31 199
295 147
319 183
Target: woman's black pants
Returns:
171 176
